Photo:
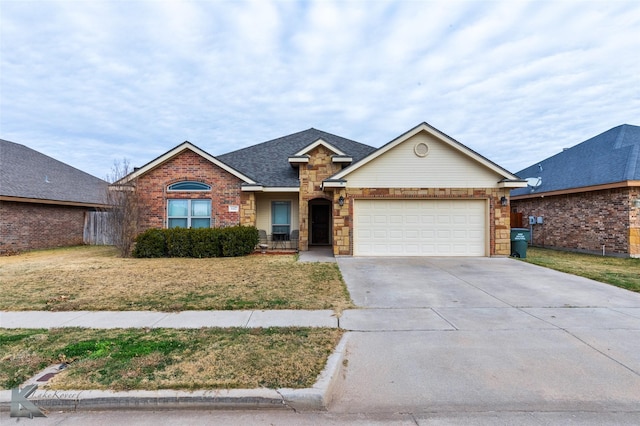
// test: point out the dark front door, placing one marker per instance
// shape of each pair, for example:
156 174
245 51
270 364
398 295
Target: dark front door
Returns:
320 221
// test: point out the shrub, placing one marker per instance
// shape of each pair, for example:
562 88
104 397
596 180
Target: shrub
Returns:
206 242
201 242
239 240
151 243
178 242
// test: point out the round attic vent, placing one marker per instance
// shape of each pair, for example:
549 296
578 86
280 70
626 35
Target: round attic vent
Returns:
421 149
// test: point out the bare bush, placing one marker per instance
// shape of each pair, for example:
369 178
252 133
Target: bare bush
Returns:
124 208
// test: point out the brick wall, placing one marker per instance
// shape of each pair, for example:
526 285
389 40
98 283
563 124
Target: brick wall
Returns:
634 222
30 226
225 190
499 218
584 221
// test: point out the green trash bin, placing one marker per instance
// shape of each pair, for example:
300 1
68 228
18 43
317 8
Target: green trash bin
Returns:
519 242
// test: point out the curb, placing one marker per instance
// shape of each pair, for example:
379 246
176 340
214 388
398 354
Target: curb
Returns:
319 396
316 398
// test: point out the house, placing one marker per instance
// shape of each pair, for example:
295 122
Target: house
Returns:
586 198
422 194
44 203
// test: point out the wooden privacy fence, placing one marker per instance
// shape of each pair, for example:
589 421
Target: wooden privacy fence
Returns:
96 229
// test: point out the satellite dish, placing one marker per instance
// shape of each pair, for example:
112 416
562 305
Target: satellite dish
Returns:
534 182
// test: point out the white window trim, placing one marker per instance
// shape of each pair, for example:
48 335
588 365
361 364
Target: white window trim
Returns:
290 225
189 217
188 190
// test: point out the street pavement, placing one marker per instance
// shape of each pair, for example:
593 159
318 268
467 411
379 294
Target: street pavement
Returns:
306 418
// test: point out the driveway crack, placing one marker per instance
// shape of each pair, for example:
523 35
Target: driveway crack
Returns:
637 373
446 320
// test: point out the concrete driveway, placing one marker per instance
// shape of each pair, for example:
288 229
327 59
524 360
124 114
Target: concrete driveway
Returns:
477 335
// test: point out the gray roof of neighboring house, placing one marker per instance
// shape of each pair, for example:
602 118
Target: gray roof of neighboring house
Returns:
610 157
26 173
268 163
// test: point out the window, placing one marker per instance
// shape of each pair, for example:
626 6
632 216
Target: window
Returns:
189 185
189 213
280 217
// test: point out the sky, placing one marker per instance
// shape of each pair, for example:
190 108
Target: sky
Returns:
91 83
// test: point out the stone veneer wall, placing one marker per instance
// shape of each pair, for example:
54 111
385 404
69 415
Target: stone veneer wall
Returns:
499 217
225 191
311 175
31 226
586 221
248 209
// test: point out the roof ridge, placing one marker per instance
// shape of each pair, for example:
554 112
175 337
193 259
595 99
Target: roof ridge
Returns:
620 138
632 162
265 142
312 129
60 162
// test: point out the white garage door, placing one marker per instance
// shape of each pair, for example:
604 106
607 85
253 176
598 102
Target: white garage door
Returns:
419 228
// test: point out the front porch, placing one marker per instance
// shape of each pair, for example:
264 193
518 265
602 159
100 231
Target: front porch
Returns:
286 223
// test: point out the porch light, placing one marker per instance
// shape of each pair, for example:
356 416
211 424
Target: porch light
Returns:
504 201
341 201
636 202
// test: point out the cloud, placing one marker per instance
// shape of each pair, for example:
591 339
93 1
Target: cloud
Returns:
91 82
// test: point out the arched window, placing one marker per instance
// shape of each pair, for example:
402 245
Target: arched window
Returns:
189 185
189 213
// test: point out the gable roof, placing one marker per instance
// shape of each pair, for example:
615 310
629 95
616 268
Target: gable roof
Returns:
509 179
608 158
186 145
267 163
317 143
30 176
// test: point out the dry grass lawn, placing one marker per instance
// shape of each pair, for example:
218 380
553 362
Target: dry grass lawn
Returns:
207 358
95 278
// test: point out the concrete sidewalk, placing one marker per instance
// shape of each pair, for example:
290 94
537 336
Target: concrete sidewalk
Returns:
184 319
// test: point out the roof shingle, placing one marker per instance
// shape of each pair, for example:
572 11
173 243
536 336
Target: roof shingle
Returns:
27 173
610 157
267 163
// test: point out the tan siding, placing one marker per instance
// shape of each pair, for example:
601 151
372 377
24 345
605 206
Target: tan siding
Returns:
443 167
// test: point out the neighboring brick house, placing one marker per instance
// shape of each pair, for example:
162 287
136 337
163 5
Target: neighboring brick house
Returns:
587 197
422 194
43 202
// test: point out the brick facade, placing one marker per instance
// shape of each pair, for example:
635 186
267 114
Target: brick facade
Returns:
225 191
586 221
499 218
634 222
31 226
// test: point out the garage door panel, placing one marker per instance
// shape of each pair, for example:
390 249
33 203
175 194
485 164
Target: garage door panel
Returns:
410 218
395 234
380 234
461 234
379 219
420 227
412 234
443 234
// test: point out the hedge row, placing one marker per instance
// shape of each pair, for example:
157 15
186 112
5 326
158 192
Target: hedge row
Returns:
199 242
